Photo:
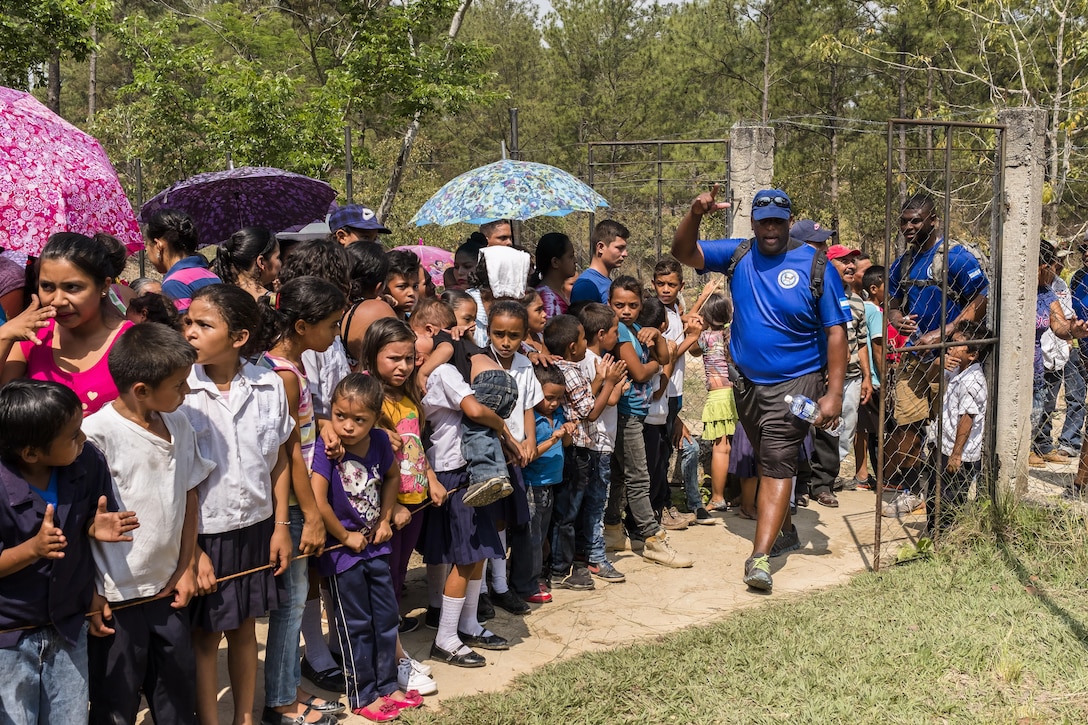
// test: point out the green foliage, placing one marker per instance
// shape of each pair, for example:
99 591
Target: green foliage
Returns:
31 30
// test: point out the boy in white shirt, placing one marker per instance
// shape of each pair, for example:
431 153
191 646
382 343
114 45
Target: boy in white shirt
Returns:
155 464
962 417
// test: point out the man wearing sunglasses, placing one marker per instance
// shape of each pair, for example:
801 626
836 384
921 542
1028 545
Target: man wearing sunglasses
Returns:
784 336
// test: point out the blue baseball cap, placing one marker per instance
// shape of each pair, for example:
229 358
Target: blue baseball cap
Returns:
771 204
806 230
356 216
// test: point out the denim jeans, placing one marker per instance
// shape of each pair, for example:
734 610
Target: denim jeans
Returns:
689 457
591 525
1044 400
44 680
541 504
480 445
282 667
634 486
851 400
1075 391
568 506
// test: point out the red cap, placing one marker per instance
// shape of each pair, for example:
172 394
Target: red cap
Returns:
837 251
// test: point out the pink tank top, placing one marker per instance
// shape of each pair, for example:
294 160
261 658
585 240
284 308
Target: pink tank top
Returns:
94 386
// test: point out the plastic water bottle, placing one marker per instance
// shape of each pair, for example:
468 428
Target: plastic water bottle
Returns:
805 408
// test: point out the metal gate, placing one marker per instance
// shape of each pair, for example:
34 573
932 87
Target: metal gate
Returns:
961 166
649 186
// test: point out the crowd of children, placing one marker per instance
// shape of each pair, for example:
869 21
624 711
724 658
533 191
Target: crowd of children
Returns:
290 441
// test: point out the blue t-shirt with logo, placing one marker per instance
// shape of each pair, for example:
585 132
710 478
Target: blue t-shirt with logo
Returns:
1078 290
778 331
636 399
966 280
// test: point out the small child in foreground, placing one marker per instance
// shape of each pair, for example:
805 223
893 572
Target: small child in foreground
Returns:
155 464
356 496
963 414
46 569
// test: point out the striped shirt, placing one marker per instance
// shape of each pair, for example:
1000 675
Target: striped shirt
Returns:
185 278
857 332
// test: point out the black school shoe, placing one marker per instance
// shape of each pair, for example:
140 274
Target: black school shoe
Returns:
431 619
510 602
328 680
271 717
484 640
469 659
485 610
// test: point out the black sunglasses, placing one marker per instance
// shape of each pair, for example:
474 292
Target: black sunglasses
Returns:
779 201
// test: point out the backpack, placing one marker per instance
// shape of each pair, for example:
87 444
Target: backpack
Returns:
815 276
936 270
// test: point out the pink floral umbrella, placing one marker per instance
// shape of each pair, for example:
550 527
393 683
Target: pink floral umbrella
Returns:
55 178
434 259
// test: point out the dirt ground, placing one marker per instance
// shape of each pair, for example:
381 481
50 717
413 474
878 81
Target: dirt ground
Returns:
836 544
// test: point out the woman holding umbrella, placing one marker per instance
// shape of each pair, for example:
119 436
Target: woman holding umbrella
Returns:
74 277
171 249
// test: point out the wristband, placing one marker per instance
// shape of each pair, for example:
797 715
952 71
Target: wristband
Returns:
283 523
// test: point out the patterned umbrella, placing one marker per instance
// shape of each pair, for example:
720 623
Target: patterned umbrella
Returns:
508 190
434 259
222 202
55 178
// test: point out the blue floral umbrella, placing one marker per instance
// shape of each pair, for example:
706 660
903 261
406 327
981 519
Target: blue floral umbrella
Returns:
508 190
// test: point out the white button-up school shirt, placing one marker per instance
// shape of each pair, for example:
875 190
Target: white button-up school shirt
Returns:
241 432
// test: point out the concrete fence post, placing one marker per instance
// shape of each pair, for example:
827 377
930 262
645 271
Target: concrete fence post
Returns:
751 168
1025 162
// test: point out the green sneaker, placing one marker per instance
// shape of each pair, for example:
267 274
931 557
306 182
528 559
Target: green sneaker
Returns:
757 572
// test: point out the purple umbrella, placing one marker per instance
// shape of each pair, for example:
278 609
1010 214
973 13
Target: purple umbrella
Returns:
222 202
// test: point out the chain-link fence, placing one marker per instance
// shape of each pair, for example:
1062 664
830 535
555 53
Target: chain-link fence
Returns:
938 383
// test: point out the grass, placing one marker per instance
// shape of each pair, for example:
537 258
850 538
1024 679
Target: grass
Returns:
993 628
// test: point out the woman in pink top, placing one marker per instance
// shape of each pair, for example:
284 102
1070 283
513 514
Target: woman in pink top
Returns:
74 277
554 266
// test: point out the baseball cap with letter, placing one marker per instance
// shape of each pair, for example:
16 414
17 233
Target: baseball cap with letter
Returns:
356 216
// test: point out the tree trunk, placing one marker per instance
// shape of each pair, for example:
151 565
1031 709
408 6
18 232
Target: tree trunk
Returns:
53 93
765 110
92 77
409 138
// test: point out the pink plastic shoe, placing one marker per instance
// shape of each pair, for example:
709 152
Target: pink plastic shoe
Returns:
412 699
386 711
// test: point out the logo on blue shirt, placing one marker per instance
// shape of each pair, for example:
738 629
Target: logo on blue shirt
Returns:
787 279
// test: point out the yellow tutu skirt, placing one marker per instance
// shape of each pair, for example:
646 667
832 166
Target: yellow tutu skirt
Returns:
719 414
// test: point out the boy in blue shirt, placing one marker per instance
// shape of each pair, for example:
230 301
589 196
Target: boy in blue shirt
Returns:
54 501
633 482
546 470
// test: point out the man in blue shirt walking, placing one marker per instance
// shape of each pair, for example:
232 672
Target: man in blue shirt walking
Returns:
784 336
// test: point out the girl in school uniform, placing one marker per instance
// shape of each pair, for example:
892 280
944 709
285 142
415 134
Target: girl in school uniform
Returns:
242 422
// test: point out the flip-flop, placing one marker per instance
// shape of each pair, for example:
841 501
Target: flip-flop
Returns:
718 506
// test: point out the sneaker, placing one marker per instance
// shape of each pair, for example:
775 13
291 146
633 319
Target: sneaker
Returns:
869 484
607 572
850 484
409 678
893 487
615 539
578 580
541 597
906 503
757 572
1036 461
510 602
408 624
703 517
786 541
485 610
687 518
430 620
671 522
659 550
484 492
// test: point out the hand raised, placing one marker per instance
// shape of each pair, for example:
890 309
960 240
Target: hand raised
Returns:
49 542
707 202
